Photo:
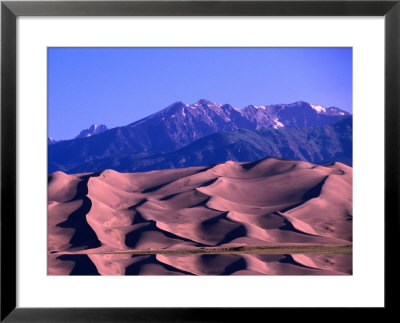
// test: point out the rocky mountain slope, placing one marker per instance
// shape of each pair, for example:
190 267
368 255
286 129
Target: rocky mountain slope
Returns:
181 124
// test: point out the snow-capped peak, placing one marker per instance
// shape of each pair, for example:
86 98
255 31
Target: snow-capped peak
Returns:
318 108
258 107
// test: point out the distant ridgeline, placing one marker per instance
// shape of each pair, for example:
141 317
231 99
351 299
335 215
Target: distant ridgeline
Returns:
206 133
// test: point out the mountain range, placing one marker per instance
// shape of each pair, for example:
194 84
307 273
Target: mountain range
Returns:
203 133
94 129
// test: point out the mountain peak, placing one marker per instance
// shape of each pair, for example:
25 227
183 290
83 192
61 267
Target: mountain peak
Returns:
299 103
94 129
204 102
257 107
178 103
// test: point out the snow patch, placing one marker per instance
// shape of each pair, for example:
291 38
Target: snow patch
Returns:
318 108
277 124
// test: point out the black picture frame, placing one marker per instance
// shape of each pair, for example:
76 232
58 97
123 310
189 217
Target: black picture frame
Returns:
10 10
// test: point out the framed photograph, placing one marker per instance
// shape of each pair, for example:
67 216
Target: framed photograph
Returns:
193 160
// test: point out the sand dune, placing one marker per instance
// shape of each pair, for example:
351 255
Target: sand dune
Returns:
268 202
196 264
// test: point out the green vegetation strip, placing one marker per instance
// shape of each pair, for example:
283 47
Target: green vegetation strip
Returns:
310 249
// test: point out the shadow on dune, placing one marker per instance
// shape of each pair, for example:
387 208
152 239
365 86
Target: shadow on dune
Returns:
156 187
206 168
234 234
133 237
288 259
211 225
136 268
239 264
288 226
204 203
250 165
168 197
208 183
141 202
84 235
83 265
313 192
217 264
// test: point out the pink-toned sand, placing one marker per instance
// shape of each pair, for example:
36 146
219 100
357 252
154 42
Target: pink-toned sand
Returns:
270 202
205 264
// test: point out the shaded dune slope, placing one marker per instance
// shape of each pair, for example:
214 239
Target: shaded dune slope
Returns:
268 202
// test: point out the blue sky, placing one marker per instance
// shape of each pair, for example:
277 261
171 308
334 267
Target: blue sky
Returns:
116 86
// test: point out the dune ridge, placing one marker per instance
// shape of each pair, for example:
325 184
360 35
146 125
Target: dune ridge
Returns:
269 202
